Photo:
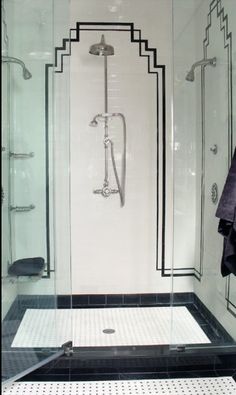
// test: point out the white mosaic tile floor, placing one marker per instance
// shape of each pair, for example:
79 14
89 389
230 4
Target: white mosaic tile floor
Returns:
132 326
200 386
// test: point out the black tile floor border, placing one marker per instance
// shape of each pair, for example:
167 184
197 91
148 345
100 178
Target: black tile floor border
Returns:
111 369
81 376
211 327
104 300
211 320
162 365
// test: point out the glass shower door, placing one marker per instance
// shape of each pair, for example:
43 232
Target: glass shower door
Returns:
33 329
204 141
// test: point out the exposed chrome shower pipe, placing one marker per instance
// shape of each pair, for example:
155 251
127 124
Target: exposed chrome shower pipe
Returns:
106 191
9 59
105 50
5 28
106 182
204 62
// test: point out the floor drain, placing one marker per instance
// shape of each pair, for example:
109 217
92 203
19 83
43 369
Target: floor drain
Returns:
108 331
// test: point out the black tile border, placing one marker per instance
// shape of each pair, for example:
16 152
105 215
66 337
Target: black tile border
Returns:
208 323
123 300
164 367
211 320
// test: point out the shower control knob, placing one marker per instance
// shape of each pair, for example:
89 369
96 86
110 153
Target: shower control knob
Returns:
214 149
106 192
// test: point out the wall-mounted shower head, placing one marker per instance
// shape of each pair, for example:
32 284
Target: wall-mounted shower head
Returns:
9 59
26 74
204 62
190 76
101 49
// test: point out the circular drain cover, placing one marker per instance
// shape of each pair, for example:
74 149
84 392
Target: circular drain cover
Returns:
108 331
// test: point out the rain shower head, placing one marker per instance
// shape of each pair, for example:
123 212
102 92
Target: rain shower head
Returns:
9 59
101 49
204 62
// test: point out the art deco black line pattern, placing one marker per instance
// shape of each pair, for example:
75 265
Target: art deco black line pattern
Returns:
153 68
216 6
223 18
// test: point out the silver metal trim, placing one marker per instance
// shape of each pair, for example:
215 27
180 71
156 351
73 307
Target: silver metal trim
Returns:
16 155
22 209
214 193
103 49
18 376
204 62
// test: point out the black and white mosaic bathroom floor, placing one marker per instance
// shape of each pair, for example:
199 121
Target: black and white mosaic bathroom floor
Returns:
198 386
108 327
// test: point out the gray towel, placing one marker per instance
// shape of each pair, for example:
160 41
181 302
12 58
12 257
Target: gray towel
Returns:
226 211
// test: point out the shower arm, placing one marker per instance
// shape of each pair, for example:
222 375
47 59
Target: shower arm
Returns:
10 59
203 62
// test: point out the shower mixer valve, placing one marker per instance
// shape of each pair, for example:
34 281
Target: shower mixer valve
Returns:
105 191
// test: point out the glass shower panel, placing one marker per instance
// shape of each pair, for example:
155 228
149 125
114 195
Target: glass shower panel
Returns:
204 142
30 319
121 290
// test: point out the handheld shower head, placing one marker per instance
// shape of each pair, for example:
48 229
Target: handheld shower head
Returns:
94 122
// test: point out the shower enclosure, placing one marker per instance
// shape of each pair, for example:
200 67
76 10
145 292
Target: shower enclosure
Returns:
149 123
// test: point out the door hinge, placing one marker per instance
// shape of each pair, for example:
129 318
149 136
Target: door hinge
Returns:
68 348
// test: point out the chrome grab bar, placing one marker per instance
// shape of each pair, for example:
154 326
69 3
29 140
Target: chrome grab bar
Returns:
22 209
21 155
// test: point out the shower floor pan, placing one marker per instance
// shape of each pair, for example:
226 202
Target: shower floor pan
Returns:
108 327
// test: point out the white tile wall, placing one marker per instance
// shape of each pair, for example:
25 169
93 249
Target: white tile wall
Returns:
123 240
122 257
